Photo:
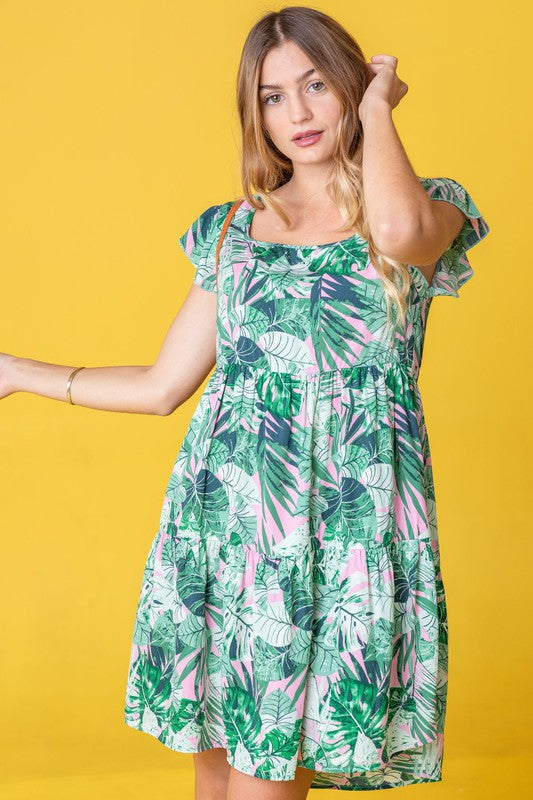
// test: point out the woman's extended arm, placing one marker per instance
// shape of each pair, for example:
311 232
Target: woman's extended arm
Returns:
186 357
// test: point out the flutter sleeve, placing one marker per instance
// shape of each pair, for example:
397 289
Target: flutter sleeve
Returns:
199 243
453 268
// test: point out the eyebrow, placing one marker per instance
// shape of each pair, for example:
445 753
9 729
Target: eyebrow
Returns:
299 79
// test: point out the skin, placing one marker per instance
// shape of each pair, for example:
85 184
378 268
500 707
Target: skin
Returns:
297 107
405 224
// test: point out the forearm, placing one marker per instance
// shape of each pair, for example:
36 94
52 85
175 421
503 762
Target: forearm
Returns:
395 200
124 388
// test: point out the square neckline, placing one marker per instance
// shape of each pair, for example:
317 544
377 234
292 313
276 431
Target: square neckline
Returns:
261 243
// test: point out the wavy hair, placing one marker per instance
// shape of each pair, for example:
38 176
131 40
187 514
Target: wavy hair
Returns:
341 62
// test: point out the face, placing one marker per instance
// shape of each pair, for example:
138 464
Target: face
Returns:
291 106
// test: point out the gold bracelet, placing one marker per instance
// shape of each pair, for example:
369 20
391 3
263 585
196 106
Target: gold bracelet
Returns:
69 382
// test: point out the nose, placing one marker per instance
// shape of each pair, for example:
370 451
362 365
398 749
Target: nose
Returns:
299 110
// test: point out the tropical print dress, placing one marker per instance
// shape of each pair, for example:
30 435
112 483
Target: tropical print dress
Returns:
292 608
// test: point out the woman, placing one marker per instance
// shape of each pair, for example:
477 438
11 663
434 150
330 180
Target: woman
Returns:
292 630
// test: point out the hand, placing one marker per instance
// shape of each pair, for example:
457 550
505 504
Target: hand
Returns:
384 84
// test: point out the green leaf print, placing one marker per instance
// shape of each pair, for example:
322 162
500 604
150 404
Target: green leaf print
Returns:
150 690
292 608
355 709
243 723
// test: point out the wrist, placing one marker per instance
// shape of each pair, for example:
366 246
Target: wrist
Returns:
16 367
374 107
9 369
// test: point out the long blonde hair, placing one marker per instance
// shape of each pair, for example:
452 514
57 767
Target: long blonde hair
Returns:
340 60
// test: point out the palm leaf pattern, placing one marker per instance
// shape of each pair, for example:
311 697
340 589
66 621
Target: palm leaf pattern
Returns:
292 608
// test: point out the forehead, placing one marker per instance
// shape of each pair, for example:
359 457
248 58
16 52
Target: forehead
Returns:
285 65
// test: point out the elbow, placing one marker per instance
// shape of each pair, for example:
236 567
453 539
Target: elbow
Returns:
408 243
165 407
161 404
391 238
169 402
162 399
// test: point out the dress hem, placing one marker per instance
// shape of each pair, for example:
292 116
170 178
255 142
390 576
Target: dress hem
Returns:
313 785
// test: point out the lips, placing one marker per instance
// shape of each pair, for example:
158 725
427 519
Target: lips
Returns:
304 133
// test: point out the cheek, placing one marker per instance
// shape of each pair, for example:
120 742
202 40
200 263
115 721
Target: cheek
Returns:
275 123
332 108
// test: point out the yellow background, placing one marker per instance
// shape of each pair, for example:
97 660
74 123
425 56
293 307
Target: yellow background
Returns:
119 129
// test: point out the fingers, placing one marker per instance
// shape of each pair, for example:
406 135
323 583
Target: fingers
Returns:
385 59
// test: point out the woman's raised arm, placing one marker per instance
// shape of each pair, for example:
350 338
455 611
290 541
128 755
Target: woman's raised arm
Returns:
187 355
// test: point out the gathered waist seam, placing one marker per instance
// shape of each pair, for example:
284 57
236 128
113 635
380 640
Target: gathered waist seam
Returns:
310 376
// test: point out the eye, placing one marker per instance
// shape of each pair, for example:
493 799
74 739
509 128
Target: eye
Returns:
270 96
